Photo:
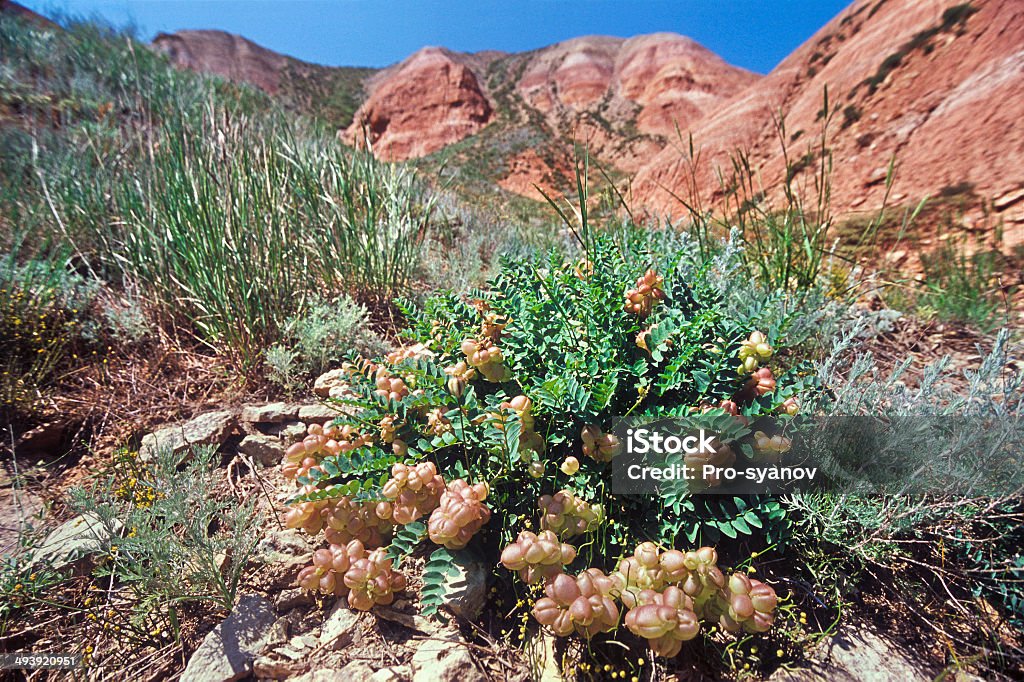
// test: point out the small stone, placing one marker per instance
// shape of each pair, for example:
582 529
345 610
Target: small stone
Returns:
289 433
290 653
211 428
266 450
466 590
287 541
328 380
287 600
271 413
76 540
357 671
444 658
278 633
299 642
339 627
228 652
319 413
273 669
1008 199
41 439
393 674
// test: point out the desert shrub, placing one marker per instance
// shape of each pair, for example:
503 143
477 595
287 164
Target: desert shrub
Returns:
324 333
930 550
42 311
171 542
514 389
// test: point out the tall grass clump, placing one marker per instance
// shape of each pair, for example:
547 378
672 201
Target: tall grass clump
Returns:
373 219
232 226
226 212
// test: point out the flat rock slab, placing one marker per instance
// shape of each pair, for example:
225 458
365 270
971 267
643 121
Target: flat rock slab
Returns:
271 413
267 450
319 413
75 540
855 656
444 658
228 652
212 428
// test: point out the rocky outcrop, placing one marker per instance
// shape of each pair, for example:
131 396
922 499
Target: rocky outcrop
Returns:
622 98
425 103
663 79
11 8
932 82
227 55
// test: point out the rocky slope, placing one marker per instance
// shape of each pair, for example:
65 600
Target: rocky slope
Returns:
427 102
224 54
333 93
934 83
622 98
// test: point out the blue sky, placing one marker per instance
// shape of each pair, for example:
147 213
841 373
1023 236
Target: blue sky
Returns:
755 34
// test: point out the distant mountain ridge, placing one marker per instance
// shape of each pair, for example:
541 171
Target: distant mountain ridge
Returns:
936 83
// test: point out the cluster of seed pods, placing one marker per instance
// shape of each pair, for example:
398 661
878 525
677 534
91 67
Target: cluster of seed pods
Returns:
307 516
649 569
320 442
493 326
366 577
753 352
536 557
398 355
584 604
485 356
413 491
389 386
761 382
437 423
599 445
459 376
346 519
746 604
665 619
771 448
666 593
568 515
459 515
641 299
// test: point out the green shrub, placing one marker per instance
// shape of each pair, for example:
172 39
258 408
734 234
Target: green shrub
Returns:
171 542
318 338
515 388
42 311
